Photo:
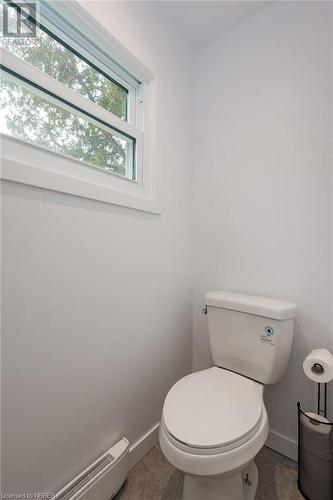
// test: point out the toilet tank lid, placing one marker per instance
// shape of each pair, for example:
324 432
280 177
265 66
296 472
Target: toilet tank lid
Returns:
252 304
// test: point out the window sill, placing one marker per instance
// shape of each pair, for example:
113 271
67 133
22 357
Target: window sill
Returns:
34 166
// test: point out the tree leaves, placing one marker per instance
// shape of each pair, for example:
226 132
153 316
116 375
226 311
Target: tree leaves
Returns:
35 119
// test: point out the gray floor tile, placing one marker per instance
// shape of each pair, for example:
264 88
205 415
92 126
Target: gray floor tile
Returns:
155 479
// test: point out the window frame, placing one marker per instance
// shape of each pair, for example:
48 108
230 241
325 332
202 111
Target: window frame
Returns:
136 79
55 91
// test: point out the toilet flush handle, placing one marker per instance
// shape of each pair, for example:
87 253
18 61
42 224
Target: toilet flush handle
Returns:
204 309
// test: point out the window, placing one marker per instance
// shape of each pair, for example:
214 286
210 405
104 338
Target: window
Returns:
56 59
57 95
43 120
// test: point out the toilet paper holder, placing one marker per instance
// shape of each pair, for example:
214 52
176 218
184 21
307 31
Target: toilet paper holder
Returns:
315 433
309 484
322 388
318 369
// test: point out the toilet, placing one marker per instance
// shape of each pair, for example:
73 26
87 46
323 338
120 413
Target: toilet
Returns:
214 421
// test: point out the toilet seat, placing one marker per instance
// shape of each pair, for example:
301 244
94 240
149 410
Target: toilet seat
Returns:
212 411
208 451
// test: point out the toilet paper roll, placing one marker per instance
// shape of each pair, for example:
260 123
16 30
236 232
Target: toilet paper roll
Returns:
314 420
318 366
315 457
316 443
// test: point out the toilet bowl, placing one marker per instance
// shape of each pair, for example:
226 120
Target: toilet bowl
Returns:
213 424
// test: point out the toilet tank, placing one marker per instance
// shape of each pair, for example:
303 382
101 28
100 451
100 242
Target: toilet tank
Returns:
250 335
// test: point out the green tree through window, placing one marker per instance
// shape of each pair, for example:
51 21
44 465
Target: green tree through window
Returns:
28 116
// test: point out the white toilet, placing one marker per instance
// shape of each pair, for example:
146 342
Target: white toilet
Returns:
214 422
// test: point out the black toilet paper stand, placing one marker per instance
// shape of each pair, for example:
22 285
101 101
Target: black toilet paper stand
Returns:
322 388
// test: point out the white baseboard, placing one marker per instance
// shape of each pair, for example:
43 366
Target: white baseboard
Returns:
283 445
143 445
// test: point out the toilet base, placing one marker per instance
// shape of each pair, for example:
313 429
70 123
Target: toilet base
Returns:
241 486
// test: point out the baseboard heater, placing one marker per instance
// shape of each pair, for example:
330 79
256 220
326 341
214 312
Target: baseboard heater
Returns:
102 479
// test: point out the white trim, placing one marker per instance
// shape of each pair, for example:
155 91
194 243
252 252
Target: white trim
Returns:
72 14
48 83
65 175
58 89
111 69
31 165
71 22
143 445
282 444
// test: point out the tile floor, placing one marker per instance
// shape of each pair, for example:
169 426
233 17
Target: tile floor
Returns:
155 479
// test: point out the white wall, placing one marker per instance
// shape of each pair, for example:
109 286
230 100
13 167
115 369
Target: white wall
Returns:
263 181
97 299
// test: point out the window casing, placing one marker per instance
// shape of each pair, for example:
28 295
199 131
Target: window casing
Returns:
67 104
52 56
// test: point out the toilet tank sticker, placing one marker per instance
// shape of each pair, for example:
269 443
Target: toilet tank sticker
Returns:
267 337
